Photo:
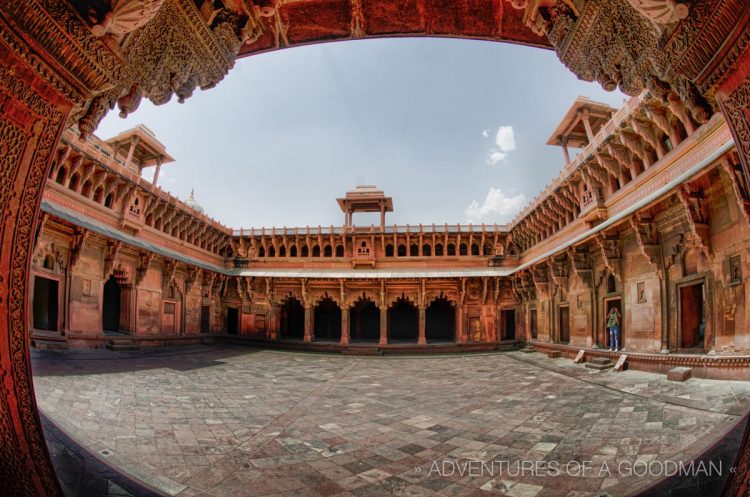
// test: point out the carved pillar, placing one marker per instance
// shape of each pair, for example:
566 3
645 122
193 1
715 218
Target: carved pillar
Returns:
587 125
564 145
32 116
309 312
344 326
274 324
734 100
422 340
460 336
156 173
133 144
383 325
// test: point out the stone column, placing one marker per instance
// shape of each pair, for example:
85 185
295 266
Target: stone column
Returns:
308 324
422 340
383 326
156 173
566 153
344 326
133 144
587 125
460 338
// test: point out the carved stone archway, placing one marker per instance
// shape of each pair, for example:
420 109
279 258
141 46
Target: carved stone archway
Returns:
59 66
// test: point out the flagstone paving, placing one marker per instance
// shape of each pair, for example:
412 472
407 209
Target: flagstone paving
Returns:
233 421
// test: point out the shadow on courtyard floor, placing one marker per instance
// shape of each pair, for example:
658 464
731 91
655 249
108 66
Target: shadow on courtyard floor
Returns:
92 361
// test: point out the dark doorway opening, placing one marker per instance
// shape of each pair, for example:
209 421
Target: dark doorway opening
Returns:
292 319
533 323
205 319
609 305
403 322
564 324
508 322
440 318
692 316
233 320
111 305
327 320
45 303
364 322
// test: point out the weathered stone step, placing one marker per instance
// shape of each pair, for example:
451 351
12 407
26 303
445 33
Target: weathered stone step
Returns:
121 344
42 344
362 351
599 363
528 349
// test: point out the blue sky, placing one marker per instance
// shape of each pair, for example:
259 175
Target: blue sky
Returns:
453 130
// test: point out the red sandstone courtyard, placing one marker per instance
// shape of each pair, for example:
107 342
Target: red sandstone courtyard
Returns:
235 421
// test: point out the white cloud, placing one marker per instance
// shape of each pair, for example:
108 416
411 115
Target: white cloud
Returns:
486 132
496 208
505 142
505 139
495 157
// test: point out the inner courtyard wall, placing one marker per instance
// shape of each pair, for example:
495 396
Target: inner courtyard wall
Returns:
694 233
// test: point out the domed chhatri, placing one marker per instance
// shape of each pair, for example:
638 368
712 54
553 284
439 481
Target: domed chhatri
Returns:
190 202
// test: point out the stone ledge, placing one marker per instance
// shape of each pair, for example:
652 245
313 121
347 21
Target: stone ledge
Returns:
735 367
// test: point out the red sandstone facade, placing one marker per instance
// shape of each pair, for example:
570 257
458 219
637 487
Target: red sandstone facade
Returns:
659 226
650 217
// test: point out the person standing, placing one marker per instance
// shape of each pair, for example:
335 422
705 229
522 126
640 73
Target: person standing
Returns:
613 323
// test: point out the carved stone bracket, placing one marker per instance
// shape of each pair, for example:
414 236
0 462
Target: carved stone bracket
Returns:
208 283
144 261
245 288
648 241
77 244
110 255
193 274
168 273
696 214
540 278
560 270
580 261
733 170
611 255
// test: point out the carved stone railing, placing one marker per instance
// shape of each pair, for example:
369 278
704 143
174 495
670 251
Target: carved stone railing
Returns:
585 154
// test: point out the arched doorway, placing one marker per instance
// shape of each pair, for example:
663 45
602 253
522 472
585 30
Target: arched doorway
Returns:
403 321
364 321
111 300
440 321
327 325
292 322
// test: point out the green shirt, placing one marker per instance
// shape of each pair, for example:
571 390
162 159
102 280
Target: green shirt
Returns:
613 320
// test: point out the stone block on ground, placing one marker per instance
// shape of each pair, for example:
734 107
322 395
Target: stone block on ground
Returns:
679 374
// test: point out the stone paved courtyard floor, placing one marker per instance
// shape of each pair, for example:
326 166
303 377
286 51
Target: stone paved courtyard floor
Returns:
234 421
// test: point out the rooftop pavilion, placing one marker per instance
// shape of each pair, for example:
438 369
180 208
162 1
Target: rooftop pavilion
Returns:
365 198
579 125
143 149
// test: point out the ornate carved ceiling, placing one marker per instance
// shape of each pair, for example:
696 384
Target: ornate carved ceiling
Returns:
298 22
